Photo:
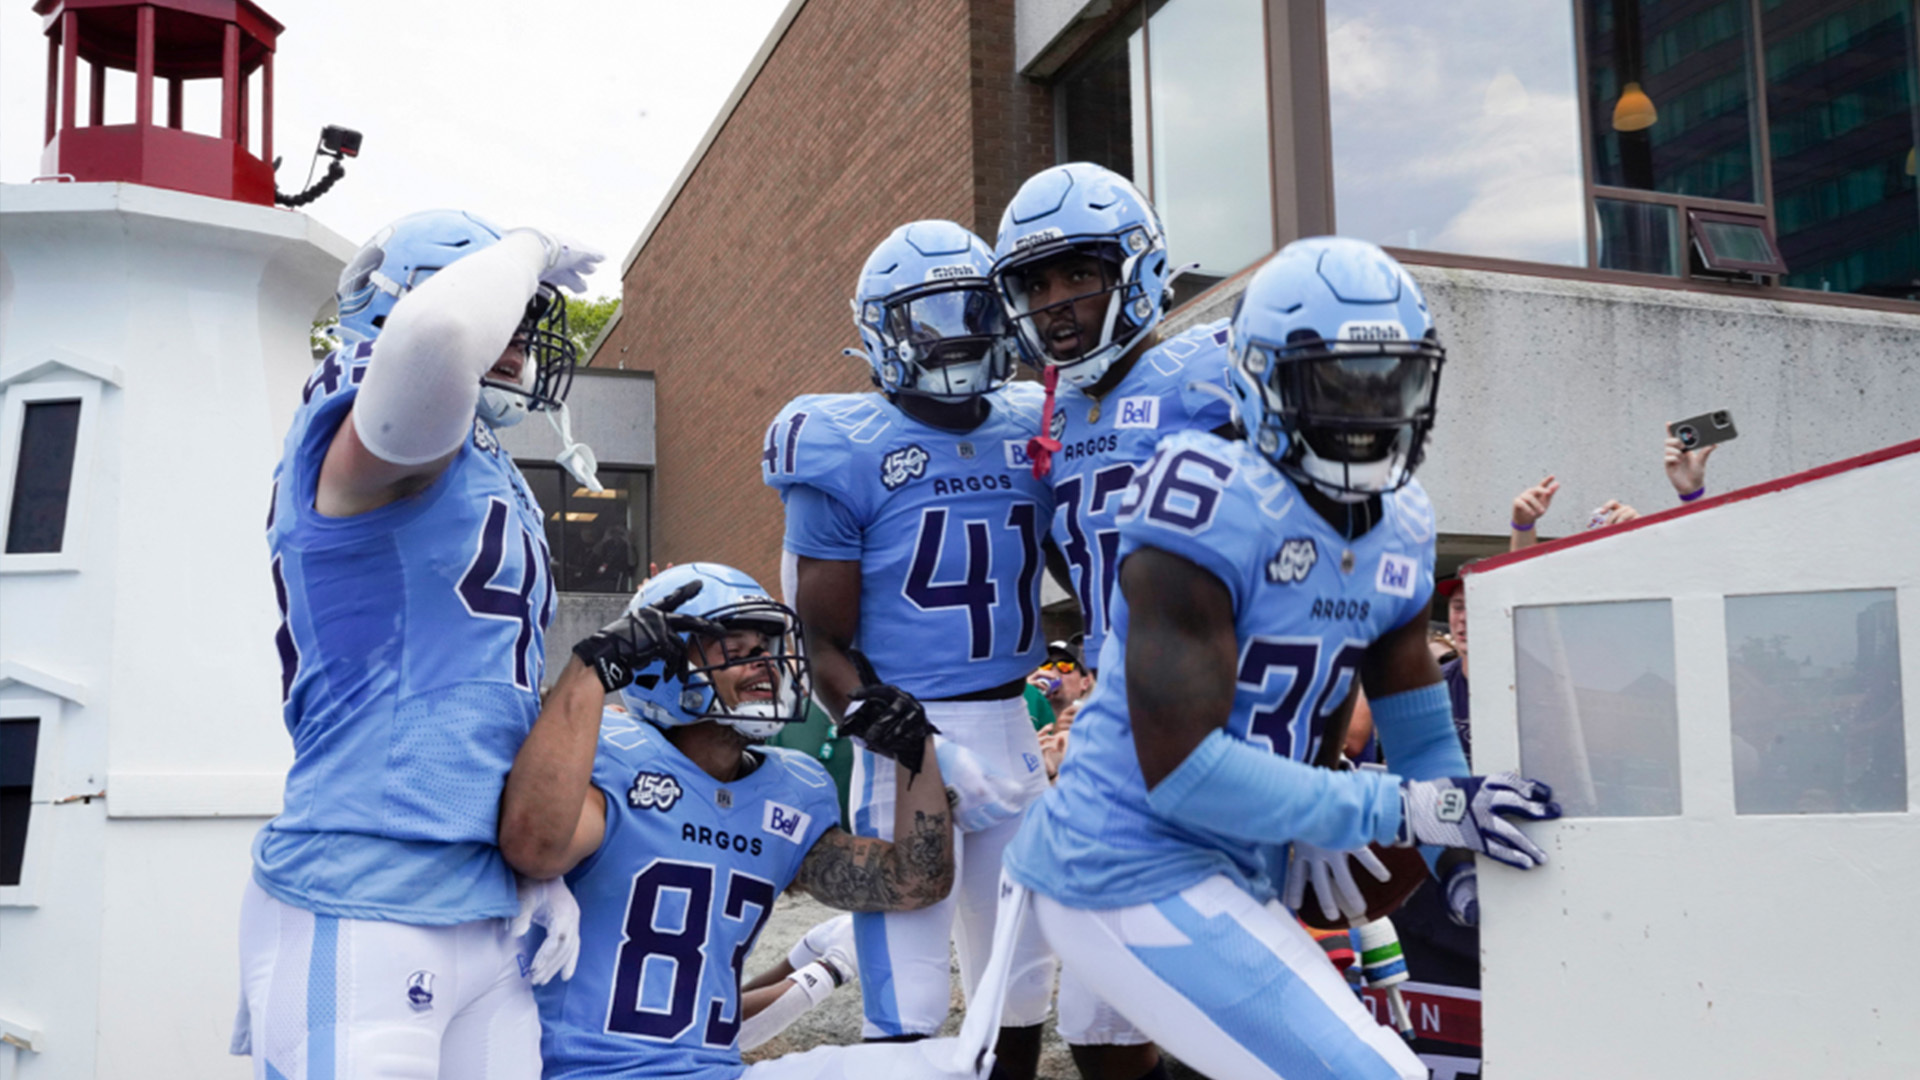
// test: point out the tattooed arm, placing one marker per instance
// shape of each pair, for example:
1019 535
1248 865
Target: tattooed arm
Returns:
864 873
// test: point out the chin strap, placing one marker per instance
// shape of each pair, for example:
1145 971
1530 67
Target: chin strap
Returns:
575 457
1041 448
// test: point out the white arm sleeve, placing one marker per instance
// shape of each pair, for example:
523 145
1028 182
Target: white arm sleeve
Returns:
422 385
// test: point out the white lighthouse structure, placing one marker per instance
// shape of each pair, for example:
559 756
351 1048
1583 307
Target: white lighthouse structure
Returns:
154 313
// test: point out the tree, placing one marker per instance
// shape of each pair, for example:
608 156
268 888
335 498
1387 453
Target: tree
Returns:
586 317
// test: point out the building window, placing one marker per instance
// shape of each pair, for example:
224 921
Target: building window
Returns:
43 477
598 540
19 741
1599 716
1842 116
1456 127
1814 685
1175 98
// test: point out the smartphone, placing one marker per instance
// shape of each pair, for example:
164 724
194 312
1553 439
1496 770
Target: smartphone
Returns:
1698 432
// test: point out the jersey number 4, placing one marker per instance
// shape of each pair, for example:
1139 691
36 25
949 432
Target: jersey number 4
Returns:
669 916
486 600
977 591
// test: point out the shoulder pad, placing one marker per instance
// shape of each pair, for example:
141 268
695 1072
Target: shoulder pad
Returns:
1022 402
1203 346
1412 514
818 437
799 767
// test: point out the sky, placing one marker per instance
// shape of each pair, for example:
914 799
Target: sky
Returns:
569 115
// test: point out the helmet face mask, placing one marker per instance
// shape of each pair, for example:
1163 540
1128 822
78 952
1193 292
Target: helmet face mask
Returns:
1337 390
546 373
762 655
1092 212
931 324
952 335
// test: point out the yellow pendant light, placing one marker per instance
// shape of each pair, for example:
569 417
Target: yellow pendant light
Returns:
1634 111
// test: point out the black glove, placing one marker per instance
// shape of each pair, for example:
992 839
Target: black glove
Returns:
638 638
890 721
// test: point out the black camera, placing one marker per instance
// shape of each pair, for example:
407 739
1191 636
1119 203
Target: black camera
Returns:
339 141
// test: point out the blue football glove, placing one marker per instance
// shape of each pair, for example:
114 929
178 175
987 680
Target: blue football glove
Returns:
1466 812
1463 894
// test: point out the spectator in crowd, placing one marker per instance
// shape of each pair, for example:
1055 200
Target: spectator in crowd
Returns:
1064 678
1686 471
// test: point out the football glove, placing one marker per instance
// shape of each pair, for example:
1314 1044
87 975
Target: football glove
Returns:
638 638
890 722
550 904
1332 877
1463 894
982 796
568 261
1466 812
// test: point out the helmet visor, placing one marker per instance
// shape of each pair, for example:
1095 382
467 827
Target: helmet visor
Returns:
1350 401
925 319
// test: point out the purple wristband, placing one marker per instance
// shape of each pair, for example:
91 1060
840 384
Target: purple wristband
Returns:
1696 493
1517 527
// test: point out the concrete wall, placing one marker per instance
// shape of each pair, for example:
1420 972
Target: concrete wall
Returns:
612 411
1580 379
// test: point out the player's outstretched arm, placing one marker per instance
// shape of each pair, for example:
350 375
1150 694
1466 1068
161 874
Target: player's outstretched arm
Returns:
1180 658
551 815
915 869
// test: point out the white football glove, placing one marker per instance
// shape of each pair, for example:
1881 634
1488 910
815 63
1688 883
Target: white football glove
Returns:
829 943
550 904
982 795
1332 877
1466 812
568 261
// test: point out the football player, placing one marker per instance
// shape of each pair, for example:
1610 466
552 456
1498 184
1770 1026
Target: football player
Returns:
1257 580
676 829
410 565
1082 266
914 534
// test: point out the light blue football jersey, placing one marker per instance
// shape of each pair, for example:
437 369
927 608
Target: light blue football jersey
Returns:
1097 457
411 657
671 904
1303 617
947 529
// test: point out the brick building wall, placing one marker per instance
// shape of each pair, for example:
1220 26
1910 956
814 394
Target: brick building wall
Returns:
863 117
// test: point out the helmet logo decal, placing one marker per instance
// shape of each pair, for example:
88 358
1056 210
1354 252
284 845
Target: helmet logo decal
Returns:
948 273
653 791
1373 330
907 463
1038 237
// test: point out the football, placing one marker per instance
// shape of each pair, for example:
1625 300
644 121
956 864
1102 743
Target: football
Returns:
1406 870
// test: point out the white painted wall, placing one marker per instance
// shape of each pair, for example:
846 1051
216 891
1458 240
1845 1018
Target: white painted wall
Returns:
1709 944
188 318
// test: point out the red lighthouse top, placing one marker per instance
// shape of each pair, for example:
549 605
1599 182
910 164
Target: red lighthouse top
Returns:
174 40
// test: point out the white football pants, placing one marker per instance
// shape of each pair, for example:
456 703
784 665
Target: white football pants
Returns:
905 976
1233 989
325 998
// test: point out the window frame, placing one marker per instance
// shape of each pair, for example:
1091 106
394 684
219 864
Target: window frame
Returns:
20 699
14 399
642 528
1300 140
